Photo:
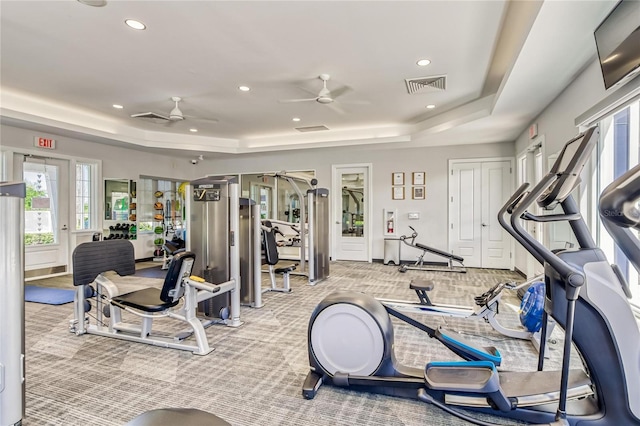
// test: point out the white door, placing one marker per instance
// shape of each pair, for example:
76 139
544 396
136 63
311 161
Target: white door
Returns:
477 190
46 214
496 189
351 214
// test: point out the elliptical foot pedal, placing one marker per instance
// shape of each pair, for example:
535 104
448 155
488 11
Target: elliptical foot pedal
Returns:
479 377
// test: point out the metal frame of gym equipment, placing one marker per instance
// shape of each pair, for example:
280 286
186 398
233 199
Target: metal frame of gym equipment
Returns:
273 262
419 264
584 294
314 243
91 260
486 309
12 347
486 304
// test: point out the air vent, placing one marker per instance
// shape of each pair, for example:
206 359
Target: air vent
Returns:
311 128
150 115
426 84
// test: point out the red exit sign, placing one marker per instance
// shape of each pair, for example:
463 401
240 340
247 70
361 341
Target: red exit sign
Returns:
45 143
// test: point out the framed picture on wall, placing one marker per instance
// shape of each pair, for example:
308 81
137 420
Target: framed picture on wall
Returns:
418 193
398 178
418 178
397 193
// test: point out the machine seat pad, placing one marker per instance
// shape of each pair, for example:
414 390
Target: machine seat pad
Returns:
440 252
420 284
177 416
283 268
147 300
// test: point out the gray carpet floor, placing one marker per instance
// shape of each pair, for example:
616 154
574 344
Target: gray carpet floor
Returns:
254 375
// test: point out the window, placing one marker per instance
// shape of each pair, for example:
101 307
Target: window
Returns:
618 151
85 196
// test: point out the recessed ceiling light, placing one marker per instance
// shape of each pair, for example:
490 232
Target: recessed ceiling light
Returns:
116 106
432 106
94 3
296 119
136 25
193 130
423 62
244 88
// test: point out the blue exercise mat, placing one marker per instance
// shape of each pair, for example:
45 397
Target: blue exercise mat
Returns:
48 295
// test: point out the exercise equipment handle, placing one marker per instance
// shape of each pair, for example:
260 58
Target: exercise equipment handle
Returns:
620 214
508 207
571 275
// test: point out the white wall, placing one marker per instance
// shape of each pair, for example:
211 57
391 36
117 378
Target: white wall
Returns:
432 225
557 121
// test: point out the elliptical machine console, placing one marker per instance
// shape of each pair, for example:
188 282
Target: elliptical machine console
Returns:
351 338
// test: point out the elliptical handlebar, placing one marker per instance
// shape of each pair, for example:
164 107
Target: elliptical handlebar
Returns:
619 213
572 276
508 207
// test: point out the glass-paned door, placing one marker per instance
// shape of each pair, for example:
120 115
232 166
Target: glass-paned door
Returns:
351 213
46 214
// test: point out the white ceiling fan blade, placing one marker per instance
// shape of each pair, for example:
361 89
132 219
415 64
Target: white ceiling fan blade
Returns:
286 101
150 115
336 108
335 93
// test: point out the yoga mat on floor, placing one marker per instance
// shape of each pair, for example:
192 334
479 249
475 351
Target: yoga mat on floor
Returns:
48 295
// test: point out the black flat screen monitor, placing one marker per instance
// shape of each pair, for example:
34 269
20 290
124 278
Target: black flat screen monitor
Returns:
618 43
568 167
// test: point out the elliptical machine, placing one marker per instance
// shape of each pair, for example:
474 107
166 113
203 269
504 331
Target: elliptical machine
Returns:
351 343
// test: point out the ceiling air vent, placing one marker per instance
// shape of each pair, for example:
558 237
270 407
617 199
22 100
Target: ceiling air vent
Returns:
426 84
311 128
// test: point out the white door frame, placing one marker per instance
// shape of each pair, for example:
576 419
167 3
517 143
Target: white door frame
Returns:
453 161
336 200
531 176
75 237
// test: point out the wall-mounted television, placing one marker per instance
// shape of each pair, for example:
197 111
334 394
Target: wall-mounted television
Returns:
618 43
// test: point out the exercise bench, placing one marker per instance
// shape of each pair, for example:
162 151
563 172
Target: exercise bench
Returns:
91 261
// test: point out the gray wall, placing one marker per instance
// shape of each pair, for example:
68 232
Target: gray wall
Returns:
120 162
117 162
432 225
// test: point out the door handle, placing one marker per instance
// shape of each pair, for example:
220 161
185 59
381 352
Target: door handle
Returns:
338 223
64 227
484 225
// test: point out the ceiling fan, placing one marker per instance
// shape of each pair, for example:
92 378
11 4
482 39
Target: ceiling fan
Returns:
326 96
174 115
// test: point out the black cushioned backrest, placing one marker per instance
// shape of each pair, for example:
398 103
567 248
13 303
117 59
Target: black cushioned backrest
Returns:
93 258
180 267
270 245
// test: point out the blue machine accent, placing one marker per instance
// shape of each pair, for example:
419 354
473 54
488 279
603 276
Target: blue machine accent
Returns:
488 357
532 307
